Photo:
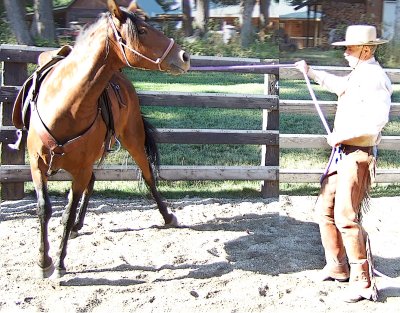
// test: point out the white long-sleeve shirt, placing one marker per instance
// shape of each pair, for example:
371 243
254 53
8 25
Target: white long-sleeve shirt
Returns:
364 99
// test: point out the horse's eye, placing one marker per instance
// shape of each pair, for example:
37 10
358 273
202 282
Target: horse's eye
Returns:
142 31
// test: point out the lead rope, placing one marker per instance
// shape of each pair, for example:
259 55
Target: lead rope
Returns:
323 120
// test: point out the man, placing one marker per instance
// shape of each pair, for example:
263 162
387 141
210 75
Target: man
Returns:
364 99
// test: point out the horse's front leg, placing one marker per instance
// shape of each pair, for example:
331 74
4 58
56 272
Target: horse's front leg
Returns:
44 211
80 181
83 207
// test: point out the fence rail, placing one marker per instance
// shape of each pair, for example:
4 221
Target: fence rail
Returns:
14 171
293 73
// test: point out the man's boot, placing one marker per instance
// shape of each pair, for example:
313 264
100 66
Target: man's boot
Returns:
362 282
360 285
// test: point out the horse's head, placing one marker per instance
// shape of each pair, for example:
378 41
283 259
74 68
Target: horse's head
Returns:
142 45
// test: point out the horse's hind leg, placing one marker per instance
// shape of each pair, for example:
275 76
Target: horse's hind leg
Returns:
83 207
139 155
44 212
80 182
169 218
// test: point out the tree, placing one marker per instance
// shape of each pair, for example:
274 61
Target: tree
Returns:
16 16
202 15
43 21
246 12
396 33
187 18
42 25
264 13
246 33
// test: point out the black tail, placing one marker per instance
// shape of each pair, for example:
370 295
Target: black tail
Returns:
151 144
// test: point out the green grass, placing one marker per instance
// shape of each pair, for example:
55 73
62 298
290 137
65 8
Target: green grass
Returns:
314 56
183 117
196 81
169 190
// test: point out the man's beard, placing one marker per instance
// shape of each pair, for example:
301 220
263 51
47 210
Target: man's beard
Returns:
353 61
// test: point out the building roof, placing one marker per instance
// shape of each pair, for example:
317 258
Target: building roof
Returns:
275 10
150 7
300 16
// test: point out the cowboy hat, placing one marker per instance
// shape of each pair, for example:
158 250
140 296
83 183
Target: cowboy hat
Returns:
357 35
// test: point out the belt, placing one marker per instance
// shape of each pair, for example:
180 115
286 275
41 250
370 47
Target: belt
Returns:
349 149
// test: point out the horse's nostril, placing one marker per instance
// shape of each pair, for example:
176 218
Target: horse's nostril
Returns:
186 57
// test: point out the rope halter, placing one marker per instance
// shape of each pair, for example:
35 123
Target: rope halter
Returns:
122 45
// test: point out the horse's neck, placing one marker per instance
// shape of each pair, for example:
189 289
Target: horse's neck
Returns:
86 72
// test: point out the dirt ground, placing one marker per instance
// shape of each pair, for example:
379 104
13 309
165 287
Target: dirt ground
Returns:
232 256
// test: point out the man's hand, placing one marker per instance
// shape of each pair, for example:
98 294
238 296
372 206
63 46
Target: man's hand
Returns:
302 66
333 139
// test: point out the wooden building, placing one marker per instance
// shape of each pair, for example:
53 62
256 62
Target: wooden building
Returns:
337 15
303 28
82 11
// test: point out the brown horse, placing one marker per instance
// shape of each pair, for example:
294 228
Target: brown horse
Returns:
67 131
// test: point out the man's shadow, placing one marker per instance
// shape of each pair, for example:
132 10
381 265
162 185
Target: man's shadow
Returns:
272 244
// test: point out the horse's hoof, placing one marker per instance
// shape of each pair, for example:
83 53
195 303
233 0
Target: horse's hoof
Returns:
173 223
73 234
58 273
45 272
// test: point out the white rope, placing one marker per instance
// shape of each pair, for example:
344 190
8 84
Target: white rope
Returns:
312 94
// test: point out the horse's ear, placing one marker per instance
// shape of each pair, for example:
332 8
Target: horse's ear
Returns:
115 10
133 7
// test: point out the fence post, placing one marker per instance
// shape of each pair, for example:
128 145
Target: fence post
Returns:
14 74
270 154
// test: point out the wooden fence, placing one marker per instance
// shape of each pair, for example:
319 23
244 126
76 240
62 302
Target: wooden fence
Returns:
299 141
14 171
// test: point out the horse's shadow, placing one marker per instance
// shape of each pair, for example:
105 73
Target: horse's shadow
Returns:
271 245
27 207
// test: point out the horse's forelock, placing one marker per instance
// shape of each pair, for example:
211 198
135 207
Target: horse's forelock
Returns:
132 30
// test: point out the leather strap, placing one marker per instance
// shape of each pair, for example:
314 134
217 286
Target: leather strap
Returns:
51 143
349 148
